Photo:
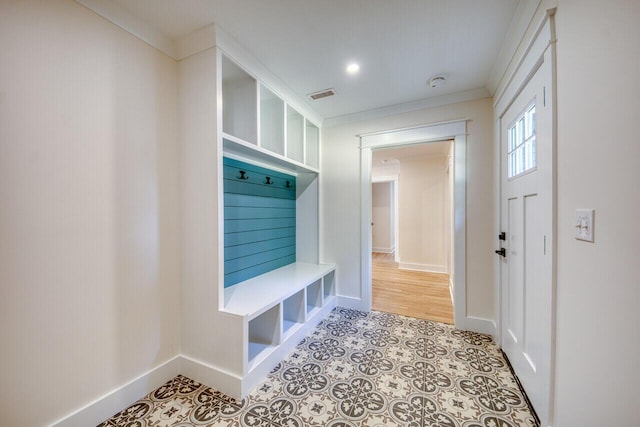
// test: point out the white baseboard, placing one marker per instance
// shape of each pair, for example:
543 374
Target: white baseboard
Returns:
351 302
226 382
116 400
422 267
476 324
383 250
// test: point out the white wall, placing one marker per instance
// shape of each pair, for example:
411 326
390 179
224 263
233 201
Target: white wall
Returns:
340 211
422 188
89 209
598 350
382 216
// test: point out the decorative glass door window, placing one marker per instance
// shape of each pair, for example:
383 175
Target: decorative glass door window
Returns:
522 143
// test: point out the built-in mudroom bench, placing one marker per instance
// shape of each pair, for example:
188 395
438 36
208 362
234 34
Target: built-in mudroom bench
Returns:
251 271
276 309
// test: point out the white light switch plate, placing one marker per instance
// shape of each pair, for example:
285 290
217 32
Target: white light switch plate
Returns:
584 224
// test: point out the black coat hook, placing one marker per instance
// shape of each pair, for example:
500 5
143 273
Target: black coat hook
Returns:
288 184
243 175
268 181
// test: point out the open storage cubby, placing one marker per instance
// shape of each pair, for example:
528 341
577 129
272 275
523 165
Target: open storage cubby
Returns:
264 333
271 121
312 137
293 313
328 285
295 135
314 296
239 102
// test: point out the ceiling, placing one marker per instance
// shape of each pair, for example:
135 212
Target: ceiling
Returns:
393 156
399 44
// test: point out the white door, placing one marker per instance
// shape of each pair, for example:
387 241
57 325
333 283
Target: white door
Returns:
527 219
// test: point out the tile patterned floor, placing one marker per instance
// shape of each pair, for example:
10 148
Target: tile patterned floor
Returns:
358 369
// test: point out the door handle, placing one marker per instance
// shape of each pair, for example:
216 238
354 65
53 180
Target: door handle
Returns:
502 252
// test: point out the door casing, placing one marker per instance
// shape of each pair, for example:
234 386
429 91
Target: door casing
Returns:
451 130
541 47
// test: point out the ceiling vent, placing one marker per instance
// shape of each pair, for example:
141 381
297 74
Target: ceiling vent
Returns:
322 94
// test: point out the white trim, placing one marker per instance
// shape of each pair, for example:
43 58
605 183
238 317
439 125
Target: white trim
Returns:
422 267
380 250
119 16
456 130
437 101
114 401
414 135
202 372
196 42
351 302
477 324
522 19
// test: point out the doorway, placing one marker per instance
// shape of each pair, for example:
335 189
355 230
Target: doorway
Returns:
410 236
456 131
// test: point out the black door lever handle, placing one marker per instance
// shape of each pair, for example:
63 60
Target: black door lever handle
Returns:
502 252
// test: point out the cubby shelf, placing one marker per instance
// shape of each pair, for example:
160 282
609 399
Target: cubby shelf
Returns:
278 304
256 295
256 117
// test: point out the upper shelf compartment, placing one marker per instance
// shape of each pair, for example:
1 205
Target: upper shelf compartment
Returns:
239 100
271 121
259 125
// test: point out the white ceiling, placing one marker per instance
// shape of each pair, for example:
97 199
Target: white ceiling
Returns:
399 44
394 156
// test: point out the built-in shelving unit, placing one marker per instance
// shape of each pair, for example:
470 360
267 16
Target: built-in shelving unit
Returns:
246 328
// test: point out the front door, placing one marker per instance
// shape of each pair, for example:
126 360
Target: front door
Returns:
526 137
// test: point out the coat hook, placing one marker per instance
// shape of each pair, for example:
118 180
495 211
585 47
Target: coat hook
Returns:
268 181
288 184
243 175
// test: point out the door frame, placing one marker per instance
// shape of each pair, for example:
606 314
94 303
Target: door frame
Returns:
540 48
455 130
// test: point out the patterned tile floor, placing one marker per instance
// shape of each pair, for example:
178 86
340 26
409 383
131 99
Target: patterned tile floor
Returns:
358 369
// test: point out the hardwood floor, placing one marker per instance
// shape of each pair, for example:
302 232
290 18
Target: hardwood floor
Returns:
410 293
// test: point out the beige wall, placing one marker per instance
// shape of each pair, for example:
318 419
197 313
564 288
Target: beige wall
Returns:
382 217
598 350
89 209
422 223
340 210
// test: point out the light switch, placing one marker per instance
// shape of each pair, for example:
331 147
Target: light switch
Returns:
584 224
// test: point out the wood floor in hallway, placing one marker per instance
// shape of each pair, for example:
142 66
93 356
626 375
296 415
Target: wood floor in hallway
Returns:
410 293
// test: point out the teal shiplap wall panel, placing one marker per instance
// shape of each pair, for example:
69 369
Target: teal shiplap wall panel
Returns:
256 270
240 251
233 239
259 220
241 225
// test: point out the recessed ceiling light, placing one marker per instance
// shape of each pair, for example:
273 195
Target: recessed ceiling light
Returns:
353 68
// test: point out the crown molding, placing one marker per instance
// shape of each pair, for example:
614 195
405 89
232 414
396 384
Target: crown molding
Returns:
119 16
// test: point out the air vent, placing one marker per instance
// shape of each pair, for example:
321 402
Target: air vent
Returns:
322 94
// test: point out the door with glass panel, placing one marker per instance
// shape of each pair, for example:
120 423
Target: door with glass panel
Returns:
527 224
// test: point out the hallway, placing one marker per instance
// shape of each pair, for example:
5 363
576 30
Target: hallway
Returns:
409 293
